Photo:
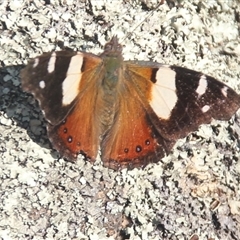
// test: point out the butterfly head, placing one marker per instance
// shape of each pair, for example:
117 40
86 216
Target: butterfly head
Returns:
113 48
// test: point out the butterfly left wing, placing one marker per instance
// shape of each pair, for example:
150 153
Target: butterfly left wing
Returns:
66 85
167 103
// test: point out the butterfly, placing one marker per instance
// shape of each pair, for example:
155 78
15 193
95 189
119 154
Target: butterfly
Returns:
134 111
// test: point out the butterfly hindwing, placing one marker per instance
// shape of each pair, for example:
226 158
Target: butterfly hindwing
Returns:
77 133
132 140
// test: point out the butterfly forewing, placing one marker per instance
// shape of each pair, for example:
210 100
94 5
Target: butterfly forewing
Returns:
56 80
182 99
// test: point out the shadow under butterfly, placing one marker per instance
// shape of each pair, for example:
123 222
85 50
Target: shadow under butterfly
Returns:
134 111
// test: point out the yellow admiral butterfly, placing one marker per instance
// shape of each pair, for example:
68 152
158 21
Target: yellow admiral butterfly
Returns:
133 110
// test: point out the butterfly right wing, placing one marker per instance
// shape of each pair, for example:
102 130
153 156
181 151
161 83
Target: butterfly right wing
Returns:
166 103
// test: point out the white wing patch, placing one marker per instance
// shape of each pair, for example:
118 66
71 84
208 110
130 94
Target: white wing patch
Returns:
70 85
164 96
51 63
205 108
224 91
202 86
36 61
42 84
